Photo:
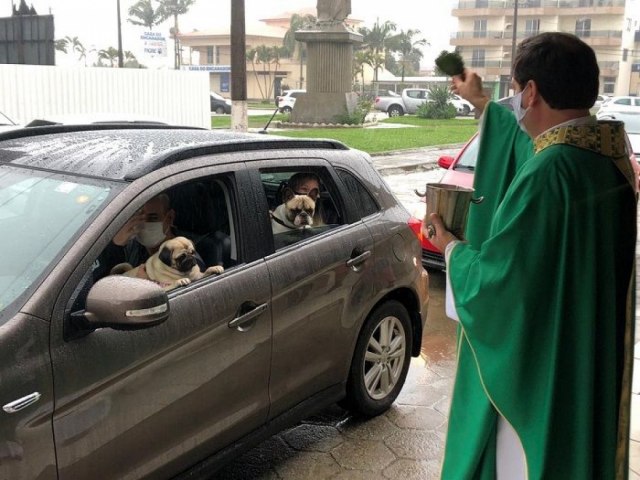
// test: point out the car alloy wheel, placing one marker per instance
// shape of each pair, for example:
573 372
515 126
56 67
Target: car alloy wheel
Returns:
219 110
395 112
380 361
465 110
287 109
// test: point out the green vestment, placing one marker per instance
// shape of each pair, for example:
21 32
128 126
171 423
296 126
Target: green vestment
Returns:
544 306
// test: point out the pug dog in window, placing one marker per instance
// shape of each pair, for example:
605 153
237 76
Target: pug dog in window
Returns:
296 212
173 265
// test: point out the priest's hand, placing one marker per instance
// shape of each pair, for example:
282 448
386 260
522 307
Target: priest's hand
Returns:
438 235
469 87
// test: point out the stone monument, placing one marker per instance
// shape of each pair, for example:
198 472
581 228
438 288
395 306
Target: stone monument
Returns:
329 66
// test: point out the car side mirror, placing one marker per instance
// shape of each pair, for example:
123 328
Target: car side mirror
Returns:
123 303
445 161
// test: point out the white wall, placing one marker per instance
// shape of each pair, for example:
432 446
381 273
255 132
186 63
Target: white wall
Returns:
178 97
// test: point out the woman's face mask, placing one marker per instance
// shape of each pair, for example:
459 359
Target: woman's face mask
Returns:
518 111
151 234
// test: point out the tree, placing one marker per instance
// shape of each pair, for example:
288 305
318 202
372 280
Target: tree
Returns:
291 45
376 39
73 43
407 47
144 14
109 54
173 9
269 59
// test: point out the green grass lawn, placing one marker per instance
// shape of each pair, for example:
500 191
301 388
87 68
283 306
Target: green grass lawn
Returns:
422 133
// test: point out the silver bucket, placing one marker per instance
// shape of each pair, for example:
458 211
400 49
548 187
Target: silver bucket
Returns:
451 202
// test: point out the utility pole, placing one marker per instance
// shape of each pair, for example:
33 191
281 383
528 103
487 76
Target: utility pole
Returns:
514 32
120 56
238 68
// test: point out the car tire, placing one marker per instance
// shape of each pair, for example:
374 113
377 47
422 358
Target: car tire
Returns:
219 110
286 110
466 110
380 361
395 111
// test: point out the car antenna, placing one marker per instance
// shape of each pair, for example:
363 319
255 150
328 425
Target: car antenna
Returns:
264 130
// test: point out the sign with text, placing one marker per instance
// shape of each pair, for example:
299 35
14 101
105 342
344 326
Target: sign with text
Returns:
154 44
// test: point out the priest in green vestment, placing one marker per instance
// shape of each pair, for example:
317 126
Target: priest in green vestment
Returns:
543 289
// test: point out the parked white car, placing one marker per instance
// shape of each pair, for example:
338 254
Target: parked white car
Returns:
627 110
626 104
287 100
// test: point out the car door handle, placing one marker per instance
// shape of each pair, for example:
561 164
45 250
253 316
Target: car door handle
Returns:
239 321
19 404
358 260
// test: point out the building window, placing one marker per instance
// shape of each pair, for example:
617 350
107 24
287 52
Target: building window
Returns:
609 85
217 56
479 28
532 27
477 57
482 3
583 27
209 55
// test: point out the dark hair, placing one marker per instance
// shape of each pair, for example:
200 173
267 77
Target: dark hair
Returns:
299 178
564 68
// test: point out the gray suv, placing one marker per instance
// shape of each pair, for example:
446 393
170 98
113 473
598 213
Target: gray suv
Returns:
112 376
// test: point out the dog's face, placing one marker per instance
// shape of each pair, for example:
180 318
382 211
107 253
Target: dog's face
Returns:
300 208
178 253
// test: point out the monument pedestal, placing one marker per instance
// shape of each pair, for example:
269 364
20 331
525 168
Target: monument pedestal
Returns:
329 74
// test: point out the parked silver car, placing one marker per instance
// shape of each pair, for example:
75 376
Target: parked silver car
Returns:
108 376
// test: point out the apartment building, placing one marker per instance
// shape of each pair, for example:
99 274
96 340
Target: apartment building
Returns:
485 36
210 51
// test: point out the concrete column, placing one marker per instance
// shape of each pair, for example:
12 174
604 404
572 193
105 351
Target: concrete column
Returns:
329 75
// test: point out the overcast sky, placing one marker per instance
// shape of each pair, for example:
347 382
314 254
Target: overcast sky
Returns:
94 21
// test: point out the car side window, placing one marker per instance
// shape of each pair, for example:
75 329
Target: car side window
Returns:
302 203
362 198
200 211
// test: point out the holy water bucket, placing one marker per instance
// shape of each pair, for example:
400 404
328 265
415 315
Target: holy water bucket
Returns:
452 203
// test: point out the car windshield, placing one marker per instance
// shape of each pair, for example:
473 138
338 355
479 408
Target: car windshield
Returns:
467 160
40 213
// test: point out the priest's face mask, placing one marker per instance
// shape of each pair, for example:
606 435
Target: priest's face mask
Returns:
519 111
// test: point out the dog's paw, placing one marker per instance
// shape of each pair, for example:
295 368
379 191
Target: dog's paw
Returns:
217 270
183 282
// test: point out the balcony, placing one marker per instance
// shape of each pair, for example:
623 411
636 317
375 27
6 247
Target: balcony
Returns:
493 38
538 7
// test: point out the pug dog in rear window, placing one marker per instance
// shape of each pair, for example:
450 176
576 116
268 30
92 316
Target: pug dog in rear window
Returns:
173 265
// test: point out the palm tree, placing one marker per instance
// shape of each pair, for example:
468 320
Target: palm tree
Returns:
144 14
174 8
110 54
360 59
268 57
407 47
297 22
376 39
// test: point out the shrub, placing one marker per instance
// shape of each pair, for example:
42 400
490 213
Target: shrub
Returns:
358 115
438 105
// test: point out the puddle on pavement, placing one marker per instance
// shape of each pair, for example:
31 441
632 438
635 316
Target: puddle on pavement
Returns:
439 336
